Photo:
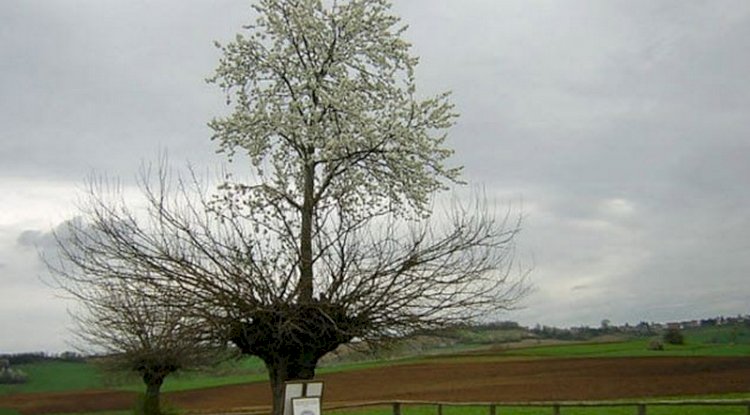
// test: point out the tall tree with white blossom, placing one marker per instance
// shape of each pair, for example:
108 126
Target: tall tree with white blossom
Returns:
326 110
332 237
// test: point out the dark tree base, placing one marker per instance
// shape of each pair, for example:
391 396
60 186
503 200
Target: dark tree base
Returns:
291 338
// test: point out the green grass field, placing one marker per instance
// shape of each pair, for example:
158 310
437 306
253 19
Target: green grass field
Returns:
69 376
54 376
632 348
737 335
246 370
710 342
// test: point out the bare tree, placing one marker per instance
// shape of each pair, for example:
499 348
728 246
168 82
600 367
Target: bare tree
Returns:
377 278
333 238
136 326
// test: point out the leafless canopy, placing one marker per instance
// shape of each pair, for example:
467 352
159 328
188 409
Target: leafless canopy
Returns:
135 325
388 276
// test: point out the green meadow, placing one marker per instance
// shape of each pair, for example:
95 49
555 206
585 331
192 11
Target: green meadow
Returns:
56 376
53 376
632 348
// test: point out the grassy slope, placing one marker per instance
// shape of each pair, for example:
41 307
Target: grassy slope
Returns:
710 341
228 373
719 335
633 348
55 376
251 370
67 376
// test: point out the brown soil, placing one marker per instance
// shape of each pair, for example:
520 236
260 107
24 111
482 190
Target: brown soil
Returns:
446 380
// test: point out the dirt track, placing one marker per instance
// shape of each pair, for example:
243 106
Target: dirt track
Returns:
533 380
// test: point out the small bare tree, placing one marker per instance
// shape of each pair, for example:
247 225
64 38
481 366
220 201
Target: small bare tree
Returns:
134 325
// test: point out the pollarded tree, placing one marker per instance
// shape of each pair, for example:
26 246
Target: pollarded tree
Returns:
332 238
326 111
234 280
135 327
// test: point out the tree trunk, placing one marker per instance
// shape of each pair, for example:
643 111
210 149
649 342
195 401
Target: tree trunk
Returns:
281 370
291 338
305 288
151 404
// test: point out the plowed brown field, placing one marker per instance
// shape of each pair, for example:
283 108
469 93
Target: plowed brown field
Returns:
531 380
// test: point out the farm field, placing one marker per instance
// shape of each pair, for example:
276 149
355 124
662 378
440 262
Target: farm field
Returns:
499 372
510 381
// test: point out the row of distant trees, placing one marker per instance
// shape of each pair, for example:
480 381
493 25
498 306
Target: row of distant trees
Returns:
643 328
586 332
35 357
741 320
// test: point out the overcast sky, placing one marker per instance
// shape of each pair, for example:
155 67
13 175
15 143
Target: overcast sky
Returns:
622 126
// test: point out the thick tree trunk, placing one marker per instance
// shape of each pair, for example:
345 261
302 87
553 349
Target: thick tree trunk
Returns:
151 401
276 376
291 338
281 370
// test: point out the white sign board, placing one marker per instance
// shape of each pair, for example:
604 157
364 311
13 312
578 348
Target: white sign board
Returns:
306 406
292 391
314 389
301 389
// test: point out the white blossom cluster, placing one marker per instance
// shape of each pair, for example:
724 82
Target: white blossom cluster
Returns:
328 92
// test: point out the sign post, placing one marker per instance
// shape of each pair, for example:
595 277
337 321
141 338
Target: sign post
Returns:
303 397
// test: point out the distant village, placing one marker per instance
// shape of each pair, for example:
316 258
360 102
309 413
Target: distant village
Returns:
684 325
719 321
641 329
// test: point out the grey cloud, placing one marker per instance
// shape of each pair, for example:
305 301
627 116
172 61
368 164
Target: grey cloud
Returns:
34 250
646 104
614 126
107 84
622 126
29 238
42 240
47 242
